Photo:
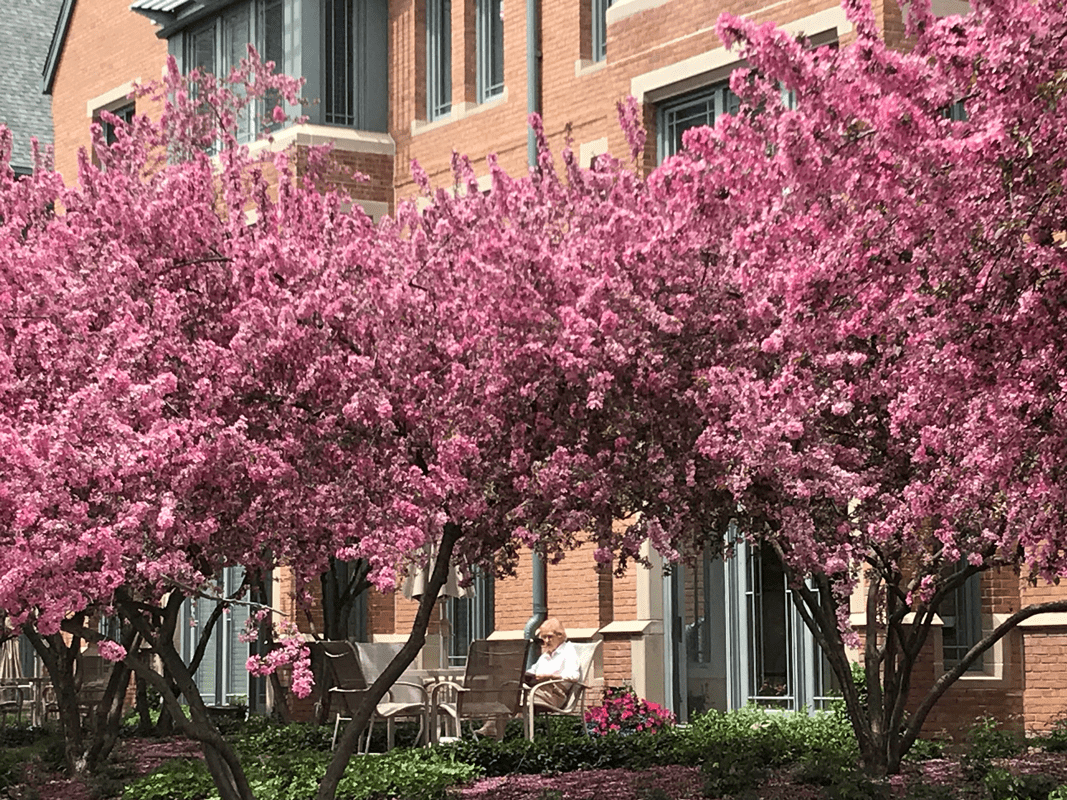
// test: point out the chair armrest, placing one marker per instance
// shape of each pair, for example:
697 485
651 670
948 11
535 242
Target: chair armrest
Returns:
531 693
438 685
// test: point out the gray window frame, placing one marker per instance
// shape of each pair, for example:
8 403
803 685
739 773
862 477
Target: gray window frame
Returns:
961 623
438 59
223 678
700 107
470 618
599 29
490 48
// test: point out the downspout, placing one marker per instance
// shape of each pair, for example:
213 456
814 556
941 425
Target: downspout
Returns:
533 74
533 106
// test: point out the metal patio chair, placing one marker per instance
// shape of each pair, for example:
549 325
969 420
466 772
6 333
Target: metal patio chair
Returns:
350 670
574 703
492 685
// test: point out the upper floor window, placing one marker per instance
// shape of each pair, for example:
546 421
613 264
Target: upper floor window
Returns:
354 81
219 45
691 110
124 113
339 48
490 48
599 28
438 58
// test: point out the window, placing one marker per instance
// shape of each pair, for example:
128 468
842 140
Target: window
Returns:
438 58
219 45
222 678
490 48
702 107
961 617
354 72
339 47
736 638
470 618
599 20
338 50
125 113
771 637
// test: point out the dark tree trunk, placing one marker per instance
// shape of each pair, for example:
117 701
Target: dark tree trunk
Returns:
60 661
894 639
346 746
221 759
107 716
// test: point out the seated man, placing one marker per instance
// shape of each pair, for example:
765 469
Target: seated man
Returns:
558 659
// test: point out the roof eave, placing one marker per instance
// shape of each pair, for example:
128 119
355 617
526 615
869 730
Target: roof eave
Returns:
55 48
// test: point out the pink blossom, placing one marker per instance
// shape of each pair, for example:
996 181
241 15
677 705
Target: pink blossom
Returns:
111 651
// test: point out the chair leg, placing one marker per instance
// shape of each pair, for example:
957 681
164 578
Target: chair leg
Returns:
336 726
370 730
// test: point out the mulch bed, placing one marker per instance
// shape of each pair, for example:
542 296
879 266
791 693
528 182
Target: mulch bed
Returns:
658 783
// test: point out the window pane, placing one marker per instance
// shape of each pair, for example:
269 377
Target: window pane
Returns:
236 651
338 57
439 57
202 51
961 613
599 22
490 49
702 107
274 34
125 114
471 618
273 41
770 634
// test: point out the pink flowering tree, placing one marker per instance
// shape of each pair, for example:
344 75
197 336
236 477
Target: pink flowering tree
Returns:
136 459
208 363
849 326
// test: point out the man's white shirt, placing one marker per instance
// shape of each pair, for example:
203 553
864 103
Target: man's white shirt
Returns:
561 663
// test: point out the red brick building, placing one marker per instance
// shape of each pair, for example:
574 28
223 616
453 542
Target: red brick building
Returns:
402 80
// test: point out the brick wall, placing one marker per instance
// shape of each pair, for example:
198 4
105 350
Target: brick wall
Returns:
581 105
106 46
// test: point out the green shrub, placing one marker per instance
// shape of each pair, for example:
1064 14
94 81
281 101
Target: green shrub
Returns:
1056 739
986 740
733 772
409 774
925 790
925 750
177 779
1000 784
261 736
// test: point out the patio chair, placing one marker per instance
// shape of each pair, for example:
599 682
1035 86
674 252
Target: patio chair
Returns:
14 695
491 688
574 703
91 676
350 671
344 683
407 697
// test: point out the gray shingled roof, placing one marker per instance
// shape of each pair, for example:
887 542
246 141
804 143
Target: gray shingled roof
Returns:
26 28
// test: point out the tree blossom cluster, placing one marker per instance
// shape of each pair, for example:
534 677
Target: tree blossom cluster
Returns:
291 651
